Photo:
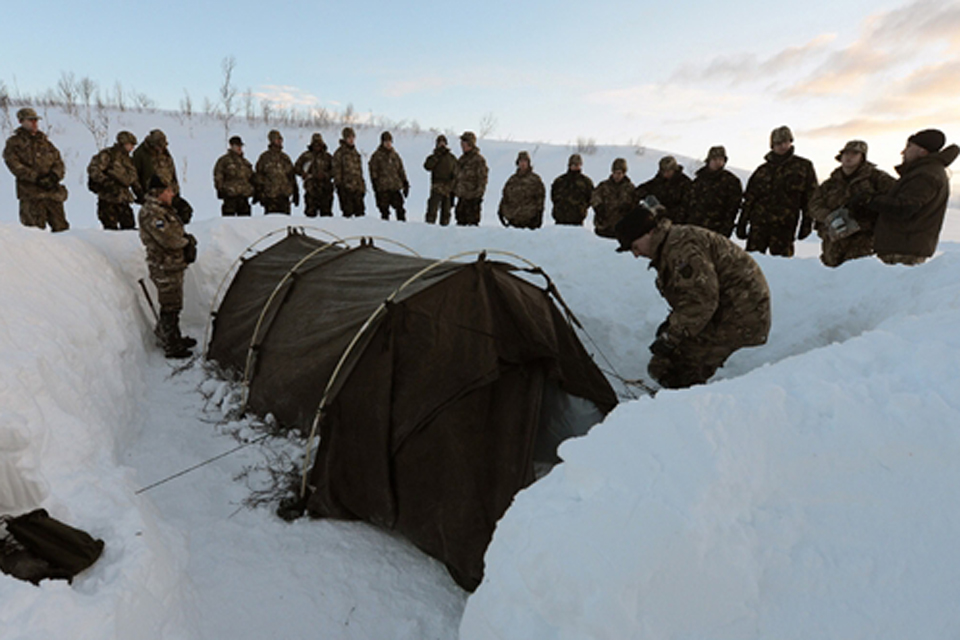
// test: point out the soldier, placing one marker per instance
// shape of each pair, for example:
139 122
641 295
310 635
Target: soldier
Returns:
831 209
233 180
777 198
910 215
671 188
521 204
715 195
169 251
111 175
719 299
38 168
612 199
151 158
442 166
389 179
570 193
315 166
274 178
471 181
348 176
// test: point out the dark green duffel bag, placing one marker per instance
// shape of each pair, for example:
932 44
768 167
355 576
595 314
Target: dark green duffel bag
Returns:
68 551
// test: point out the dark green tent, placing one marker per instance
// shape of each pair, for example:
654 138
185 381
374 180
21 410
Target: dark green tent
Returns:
440 383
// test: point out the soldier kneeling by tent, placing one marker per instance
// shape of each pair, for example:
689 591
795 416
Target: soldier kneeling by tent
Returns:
717 293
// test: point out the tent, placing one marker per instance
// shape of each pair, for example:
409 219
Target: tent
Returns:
433 385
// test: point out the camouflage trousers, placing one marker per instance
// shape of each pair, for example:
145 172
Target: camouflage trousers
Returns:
235 206
468 211
115 215
275 205
833 253
696 359
318 200
40 213
351 203
902 258
169 288
387 199
439 201
777 239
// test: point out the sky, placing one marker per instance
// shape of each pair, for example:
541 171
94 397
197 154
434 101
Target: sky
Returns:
681 76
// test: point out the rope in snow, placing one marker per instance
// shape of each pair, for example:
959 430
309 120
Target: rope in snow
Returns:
201 464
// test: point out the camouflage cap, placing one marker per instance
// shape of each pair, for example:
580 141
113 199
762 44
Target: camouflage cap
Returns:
575 159
469 137
348 132
157 138
236 141
523 155
637 223
716 152
386 136
669 163
442 139
317 139
857 146
27 114
125 137
780 135
274 136
619 164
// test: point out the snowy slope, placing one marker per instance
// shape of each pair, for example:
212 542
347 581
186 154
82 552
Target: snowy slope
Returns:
809 491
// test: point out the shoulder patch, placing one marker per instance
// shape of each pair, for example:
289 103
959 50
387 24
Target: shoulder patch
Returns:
158 223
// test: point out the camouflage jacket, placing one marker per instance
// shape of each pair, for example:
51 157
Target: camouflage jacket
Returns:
570 194
162 234
348 168
149 161
714 200
837 190
29 157
708 280
910 215
442 166
112 173
521 204
274 176
471 180
611 201
233 176
672 194
315 166
386 170
779 191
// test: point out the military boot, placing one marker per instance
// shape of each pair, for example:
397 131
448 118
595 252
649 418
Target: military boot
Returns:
169 332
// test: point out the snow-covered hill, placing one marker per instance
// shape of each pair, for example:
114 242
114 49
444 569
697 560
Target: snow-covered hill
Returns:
810 490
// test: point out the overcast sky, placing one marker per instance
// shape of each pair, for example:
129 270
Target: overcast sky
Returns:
672 75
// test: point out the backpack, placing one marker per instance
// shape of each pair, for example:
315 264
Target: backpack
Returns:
50 548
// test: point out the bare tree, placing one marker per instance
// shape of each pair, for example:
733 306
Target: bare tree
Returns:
5 122
248 108
67 91
87 88
227 94
186 105
143 102
586 146
266 110
488 124
119 98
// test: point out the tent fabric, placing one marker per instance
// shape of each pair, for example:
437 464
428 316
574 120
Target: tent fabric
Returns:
431 426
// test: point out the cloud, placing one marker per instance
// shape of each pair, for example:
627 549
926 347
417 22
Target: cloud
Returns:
286 96
862 127
843 71
746 67
403 88
657 100
927 87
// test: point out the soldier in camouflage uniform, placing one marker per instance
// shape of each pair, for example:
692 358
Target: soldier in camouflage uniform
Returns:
153 158
612 199
853 177
442 165
671 188
233 180
111 175
169 250
315 166
38 168
274 178
348 176
389 179
777 198
471 181
719 299
571 193
715 195
521 204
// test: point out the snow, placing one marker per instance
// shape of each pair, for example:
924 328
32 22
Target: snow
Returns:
810 490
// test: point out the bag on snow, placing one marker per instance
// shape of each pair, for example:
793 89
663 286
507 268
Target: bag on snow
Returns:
64 550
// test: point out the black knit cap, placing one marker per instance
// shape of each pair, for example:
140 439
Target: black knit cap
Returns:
930 139
236 141
637 223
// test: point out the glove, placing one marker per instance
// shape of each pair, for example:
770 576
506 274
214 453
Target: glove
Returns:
183 209
662 347
662 329
190 251
48 182
742 228
806 226
296 198
221 195
406 189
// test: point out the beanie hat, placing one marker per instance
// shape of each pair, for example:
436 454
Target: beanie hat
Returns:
236 141
716 152
316 139
669 163
386 136
274 136
619 165
575 159
858 146
348 132
780 135
930 139
638 222
469 137
157 138
441 138
125 137
523 155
